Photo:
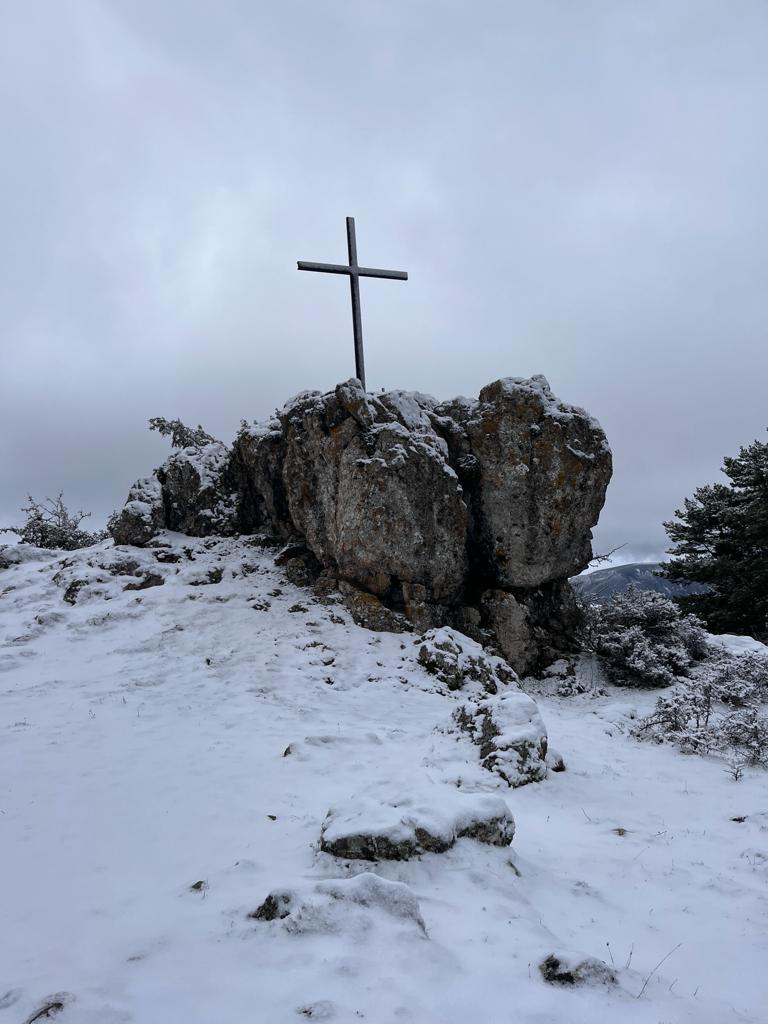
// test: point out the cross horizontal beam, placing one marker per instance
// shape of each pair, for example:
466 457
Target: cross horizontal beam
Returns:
343 268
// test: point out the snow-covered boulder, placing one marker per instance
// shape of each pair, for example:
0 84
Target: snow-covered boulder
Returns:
340 904
405 826
456 660
190 493
511 735
142 517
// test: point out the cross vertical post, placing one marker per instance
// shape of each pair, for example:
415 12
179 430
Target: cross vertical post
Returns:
354 288
354 272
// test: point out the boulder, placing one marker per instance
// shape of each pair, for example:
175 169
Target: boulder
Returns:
511 625
456 660
567 968
407 825
376 501
142 517
191 493
511 735
531 626
197 494
542 471
368 611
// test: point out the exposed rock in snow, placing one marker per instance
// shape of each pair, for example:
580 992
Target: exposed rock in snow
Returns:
191 492
340 904
143 515
465 513
409 825
511 736
197 491
455 660
575 969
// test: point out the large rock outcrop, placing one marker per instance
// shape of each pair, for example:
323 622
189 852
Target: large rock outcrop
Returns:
471 513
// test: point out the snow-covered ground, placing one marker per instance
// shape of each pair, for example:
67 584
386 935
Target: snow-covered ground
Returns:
147 808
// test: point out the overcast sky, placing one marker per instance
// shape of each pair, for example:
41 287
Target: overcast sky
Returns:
576 189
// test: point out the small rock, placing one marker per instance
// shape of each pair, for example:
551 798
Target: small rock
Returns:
74 588
322 1010
570 969
150 579
368 611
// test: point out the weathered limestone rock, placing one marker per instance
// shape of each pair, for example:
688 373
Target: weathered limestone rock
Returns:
257 470
191 493
468 513
543 468
376 501
196 497
510 624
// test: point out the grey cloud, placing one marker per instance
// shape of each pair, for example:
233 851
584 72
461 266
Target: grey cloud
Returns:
575 189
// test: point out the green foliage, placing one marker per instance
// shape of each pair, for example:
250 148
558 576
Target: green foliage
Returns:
181 435
720 539
50 524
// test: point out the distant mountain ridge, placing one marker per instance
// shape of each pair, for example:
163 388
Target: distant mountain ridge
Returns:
605 583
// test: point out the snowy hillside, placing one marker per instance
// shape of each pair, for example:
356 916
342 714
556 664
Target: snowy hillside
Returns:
177 723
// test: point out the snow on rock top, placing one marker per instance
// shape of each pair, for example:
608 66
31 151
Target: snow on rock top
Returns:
401 826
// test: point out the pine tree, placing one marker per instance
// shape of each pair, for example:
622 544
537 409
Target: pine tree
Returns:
720 539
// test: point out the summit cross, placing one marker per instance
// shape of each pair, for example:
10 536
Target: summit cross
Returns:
354 272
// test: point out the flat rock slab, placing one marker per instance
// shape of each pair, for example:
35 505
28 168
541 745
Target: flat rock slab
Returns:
408 825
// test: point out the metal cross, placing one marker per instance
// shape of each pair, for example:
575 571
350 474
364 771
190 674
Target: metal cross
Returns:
355 273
